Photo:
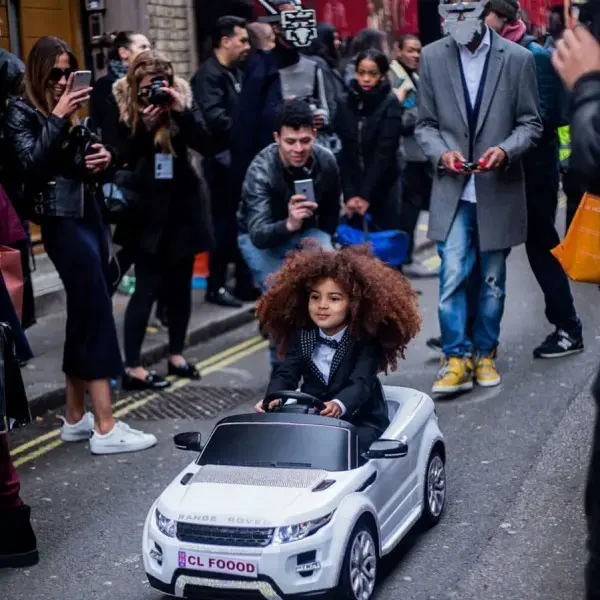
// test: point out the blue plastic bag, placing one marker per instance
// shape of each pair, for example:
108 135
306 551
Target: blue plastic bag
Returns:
390 247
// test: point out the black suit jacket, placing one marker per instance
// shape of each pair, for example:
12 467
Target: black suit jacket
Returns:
353 379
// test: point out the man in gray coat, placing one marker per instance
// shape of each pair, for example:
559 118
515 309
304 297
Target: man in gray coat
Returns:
478 116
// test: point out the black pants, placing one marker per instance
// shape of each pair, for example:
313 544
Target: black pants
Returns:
542 182
416 192
574 193
226 252
592 510
153 274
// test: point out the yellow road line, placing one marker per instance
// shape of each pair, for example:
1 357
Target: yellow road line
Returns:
37 453
433 262
213 364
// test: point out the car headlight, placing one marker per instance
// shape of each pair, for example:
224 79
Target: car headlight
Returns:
166 526
294 533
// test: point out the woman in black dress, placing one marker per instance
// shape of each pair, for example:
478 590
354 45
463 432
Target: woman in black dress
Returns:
369 124
61 193
158 125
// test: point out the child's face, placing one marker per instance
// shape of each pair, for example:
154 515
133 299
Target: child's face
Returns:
328 307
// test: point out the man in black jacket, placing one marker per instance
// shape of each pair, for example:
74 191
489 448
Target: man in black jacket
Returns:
217 86
577 60
273 218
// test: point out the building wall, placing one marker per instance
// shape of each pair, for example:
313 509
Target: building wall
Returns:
171 28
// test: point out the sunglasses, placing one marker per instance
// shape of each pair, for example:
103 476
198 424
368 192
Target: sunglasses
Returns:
57 74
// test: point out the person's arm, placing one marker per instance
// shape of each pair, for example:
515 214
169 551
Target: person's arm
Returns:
324 105
210 97
348 161
329 215
384 156
360 384
528 126
34 151
427 130
288 374
256 195
585 131
193 129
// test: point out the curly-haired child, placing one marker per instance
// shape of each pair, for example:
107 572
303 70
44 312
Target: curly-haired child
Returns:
338 319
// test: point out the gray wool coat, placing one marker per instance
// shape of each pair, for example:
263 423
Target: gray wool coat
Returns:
508 117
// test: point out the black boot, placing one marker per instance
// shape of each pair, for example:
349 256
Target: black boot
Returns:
18 546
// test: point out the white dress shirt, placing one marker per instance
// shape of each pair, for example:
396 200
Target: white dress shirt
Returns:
473 64
323 358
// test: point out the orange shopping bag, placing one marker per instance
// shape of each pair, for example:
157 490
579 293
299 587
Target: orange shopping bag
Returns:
579 253
12 273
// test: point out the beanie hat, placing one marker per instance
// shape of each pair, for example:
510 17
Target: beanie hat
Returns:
506 8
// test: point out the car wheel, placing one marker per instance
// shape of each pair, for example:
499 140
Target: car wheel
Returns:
434 499
359 569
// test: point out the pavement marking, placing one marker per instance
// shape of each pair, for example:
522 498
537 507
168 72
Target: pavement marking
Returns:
206 367
433 262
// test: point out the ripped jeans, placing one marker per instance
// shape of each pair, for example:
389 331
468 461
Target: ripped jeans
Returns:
459 255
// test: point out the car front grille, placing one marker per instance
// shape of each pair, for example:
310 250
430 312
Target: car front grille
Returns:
214 535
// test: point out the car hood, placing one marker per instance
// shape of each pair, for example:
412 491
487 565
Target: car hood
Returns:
246 496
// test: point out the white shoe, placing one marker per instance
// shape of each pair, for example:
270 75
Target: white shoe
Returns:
121 438
78 432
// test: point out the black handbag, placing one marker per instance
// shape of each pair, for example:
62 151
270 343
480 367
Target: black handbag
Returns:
14 407
121 194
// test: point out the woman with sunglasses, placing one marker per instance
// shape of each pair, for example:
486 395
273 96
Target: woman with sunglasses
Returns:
62 195
171 224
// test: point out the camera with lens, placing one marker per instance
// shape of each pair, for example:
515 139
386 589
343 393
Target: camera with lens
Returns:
83 139
158 95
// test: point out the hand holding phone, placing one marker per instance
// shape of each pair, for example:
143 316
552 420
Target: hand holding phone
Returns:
299 209
72 99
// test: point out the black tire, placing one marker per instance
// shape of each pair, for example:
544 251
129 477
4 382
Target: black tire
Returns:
364 537
433 506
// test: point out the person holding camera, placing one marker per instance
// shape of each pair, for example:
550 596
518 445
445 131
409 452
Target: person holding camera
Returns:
577 61
158 123
61 167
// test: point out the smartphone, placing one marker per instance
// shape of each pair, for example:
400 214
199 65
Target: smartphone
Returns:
305 187
81 80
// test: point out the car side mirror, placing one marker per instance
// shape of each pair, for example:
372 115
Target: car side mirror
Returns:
387 449
191 441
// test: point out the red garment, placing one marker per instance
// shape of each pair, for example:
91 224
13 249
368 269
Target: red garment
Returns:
514 31
9 480
11 229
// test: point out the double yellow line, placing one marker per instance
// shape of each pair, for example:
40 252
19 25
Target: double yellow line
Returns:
47 442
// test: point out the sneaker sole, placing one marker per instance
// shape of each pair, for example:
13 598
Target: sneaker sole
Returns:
463 387
118 450
19 561
75 438
489 383
561 355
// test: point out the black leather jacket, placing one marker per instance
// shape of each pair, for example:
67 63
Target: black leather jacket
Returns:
585 132
41 152
268 188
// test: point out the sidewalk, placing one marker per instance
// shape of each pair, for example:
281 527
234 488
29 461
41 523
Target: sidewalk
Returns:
43 377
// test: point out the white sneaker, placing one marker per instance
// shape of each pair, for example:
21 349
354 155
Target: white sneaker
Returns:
78 432
121 438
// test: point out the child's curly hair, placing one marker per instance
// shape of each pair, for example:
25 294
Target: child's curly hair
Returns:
383 304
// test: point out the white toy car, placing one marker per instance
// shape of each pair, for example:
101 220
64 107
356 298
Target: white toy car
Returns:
281 505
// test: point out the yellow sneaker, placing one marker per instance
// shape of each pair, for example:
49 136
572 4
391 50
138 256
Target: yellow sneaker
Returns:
486 373
455 376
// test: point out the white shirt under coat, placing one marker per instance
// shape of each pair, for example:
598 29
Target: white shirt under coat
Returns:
323 359
473 64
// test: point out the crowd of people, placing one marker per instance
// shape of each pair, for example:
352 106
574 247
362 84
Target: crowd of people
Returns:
268 146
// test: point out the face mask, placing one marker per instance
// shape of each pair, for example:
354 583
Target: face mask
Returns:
462 20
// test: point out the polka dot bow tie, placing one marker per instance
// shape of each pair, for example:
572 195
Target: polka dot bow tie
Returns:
330 343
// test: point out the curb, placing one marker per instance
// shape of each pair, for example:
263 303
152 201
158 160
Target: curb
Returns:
55 398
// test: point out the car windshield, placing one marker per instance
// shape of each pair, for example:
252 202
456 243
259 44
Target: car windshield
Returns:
281 445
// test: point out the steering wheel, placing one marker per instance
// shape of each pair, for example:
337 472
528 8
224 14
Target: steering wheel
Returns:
309 404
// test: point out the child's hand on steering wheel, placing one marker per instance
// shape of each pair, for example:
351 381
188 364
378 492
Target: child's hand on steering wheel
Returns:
332 409
258 407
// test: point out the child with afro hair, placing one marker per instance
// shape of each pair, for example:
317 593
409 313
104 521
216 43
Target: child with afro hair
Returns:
338 319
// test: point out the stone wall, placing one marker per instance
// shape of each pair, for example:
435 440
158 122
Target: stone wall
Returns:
171 29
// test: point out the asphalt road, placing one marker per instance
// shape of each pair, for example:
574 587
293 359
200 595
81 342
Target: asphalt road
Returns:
513 529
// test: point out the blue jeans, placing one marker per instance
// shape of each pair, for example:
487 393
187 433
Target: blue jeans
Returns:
264 262
460 253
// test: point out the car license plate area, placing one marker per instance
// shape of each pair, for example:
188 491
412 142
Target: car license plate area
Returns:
213 563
